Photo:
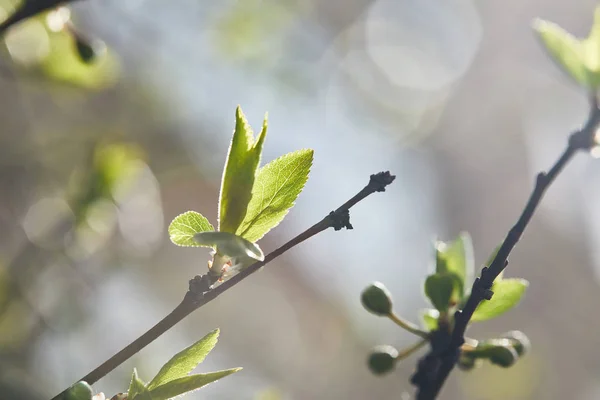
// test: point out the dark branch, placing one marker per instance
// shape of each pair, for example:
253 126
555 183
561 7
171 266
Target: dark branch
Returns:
436 365
28 9
201 291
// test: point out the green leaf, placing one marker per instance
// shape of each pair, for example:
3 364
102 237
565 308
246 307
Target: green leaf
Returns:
591 46
230 245
185 226
457 257
430 318
137 388
278 184
580 59
185 361
442 289
507 293
186 384
239 173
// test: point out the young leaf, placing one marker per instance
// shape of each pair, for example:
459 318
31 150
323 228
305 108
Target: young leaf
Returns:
591 46
457 257
239 173
275 190
184 226
507 293
137 389
430 318
440 288
230 245
571 54
185 361
186 384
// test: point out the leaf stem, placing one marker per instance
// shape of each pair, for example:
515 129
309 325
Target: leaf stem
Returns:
434 368
201 292
411 349
408 326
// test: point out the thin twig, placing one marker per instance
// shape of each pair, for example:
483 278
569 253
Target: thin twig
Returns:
434 368
200 292
28 9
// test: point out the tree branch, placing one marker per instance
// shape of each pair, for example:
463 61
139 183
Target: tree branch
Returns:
28 9
201 291
436 365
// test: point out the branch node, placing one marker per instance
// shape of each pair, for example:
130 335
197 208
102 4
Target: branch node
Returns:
380 180
199 285
340 219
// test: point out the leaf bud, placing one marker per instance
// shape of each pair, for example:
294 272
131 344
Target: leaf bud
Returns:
377 299
382 359
519 341
79 391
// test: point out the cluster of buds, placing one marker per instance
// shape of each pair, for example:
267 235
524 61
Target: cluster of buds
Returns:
503 351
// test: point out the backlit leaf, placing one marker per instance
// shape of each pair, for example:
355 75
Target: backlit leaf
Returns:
275 190
187 384
507 294
239 173
184 227
185 361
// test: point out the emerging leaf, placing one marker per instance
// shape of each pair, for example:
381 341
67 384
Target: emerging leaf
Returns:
275 190
179 386
230 245
580 59
430 318
442 290
185 361
185 226
457 257
137 388
239 173
507 294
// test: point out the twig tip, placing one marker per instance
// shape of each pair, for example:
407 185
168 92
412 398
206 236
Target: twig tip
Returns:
380 180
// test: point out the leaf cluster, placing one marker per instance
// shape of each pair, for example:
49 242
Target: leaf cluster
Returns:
252 201
172 380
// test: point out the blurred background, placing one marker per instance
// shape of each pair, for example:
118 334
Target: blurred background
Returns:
109 133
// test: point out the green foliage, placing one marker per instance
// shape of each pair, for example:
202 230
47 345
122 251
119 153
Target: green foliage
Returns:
187 384
230 245
430 318
239 174
442 289
137 388
457 258
507 294
186 226
277 186
377 299
579 58
173 379
79 391
252 201
186 360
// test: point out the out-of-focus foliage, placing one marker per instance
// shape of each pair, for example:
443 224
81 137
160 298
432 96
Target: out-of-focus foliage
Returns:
48 44
580 59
